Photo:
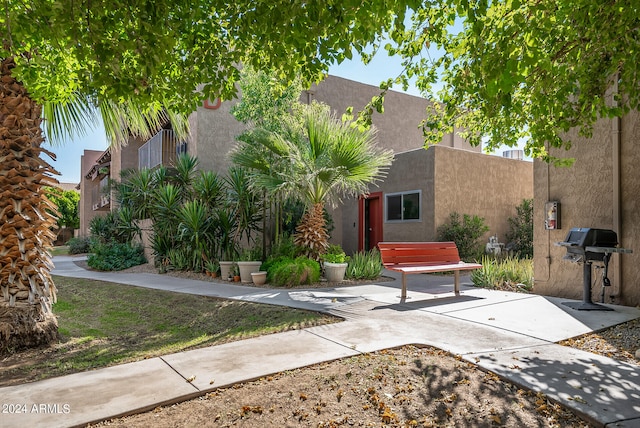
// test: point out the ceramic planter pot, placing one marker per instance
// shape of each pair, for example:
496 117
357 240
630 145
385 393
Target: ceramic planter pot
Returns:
334 272
225 270
259 278
246 268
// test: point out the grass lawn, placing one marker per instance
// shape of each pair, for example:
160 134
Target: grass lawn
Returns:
103 324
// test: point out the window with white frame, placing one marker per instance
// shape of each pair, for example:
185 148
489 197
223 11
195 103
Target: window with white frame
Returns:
403 206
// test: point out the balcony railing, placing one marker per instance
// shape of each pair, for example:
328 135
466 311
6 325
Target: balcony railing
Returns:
159 150
101 195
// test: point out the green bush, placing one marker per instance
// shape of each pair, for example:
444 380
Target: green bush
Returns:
335 254
520 234
365 265
466 233
79 245
293 272
509 273
272 263
286 247
115 256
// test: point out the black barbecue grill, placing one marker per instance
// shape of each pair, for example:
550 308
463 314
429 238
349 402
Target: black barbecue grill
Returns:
587 245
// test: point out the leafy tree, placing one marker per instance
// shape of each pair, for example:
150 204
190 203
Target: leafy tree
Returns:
266 101
512 71
135 63
520 234
66 202
465 232
316 164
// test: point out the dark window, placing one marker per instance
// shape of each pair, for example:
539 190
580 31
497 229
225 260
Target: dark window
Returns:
403 206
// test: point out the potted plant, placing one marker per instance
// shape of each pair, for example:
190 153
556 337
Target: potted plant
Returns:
225 270
335 263
211 268
235 272
248 263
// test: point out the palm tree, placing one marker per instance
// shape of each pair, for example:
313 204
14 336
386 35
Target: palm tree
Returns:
27 217
316 162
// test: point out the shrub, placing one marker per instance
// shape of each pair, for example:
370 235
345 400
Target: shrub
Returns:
286 247
293 272
103 228
466 233
79 245
520 234
115 256
365 265
335 254
511 274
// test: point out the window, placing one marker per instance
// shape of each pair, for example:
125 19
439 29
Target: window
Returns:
403 206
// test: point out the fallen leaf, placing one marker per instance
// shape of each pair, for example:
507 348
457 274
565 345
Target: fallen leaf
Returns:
388 416
191 379
496 419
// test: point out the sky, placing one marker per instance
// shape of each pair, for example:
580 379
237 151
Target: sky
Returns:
68 153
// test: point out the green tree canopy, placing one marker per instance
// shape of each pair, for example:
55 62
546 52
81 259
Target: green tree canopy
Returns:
522 70
173 54
66 202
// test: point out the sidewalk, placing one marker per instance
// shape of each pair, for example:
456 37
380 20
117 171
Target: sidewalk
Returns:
488 328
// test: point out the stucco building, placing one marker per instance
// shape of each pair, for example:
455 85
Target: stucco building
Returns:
599 191
451 177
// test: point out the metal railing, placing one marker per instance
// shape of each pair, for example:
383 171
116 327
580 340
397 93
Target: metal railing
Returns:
101 195
159 150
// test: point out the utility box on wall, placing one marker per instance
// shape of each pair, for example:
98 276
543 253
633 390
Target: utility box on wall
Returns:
552 215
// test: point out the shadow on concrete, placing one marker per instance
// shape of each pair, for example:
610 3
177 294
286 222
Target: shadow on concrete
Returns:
600 390
412 305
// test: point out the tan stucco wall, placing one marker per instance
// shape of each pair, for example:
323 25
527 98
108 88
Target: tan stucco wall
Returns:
85 212
213 134
480 184
450 180
123 158
399 125
587 196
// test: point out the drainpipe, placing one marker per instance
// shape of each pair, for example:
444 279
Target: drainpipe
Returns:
617 199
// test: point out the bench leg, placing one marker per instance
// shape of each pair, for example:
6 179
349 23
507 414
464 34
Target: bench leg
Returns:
403 295
456 282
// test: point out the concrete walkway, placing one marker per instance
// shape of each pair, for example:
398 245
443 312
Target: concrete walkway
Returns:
488 328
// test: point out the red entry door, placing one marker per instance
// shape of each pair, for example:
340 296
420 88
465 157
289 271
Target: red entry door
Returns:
370 221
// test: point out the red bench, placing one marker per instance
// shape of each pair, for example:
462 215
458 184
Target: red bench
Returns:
424 257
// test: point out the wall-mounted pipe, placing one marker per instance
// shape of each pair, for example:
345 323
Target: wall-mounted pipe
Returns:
617 199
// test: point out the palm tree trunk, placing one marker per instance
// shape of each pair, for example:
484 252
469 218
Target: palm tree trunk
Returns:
26 223
311 233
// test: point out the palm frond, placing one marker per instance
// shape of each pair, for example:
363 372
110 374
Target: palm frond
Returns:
68 120
71 118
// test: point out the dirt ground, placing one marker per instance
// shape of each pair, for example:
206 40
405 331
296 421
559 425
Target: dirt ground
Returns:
405 387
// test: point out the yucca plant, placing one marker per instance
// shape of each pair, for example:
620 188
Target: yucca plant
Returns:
184 173
195 231
209 188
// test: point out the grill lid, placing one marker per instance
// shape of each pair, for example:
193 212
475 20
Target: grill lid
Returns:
590 237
